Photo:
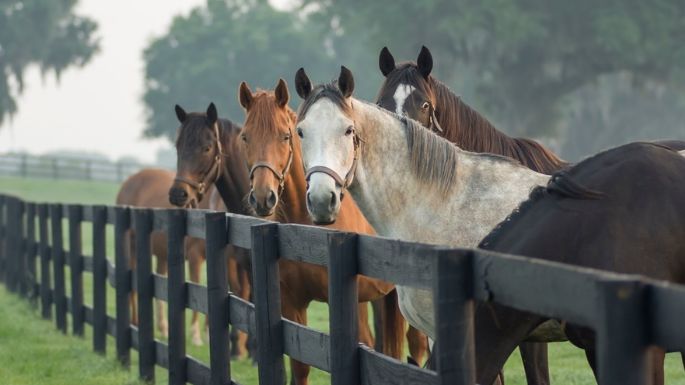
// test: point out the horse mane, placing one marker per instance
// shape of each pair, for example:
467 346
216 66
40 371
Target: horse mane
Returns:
469 129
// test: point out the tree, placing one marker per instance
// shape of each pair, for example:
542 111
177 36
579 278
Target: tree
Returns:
45 33
204 57
521 58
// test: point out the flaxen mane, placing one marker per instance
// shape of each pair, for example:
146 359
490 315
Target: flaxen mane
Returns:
468 129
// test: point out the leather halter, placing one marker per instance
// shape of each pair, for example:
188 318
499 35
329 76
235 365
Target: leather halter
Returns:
280 175
212 174
433 124
349 177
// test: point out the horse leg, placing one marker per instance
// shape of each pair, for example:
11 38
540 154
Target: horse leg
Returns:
418 345
378 317
162 325
245 294
195 264
657 355
535 364
365 336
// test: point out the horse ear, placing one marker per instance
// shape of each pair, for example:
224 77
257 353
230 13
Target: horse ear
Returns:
180 113
245 95
386 62
425 62
212 116
302 84
346 82
281 92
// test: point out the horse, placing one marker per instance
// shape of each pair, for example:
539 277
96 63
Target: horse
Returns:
409 89
148 188
201 164
272 154
622 210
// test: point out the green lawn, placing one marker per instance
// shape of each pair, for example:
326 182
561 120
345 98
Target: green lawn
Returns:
33 352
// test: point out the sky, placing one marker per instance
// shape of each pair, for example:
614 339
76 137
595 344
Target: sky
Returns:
97 108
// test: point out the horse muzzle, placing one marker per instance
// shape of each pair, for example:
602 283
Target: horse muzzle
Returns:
323 202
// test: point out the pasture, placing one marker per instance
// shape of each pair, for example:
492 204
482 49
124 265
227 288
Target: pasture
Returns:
568 365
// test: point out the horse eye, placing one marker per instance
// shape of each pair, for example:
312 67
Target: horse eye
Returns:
425 105
243 137
299 132
207 149
286 137
349 131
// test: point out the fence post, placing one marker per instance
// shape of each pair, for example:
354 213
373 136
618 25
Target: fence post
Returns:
146 338
122 224
12 245
99 280
3 238
30 277
76 268
45 286
454 356
218 298
343 305
176 296
20 261
59 296
622 335
267 300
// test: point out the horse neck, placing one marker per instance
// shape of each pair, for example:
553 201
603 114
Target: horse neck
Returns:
233 183
398 204
293 207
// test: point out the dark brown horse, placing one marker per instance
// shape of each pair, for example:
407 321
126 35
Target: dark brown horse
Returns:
272 152
622 210
409 89
205 150
149 188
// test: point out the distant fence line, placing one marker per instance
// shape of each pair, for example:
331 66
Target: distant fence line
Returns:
64 167
628 313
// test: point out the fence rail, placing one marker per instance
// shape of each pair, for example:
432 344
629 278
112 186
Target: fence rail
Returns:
53 167
628 313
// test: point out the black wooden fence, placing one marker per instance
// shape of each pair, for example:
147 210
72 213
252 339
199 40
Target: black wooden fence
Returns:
64 167
628 313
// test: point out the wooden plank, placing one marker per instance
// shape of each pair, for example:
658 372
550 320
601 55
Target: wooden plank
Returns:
242 315
553 289
99 269
76 267
176 296
112 326
88 314
454 355
239 229
87 213
267 300
343 305
162 354
197 297
45 285
59 295
111 214
217 298
159 220
87 261
667 310
377 368
122 225
195 223
400 262
111 273
303 243
160 286
142 221
198 373
307 345
622 335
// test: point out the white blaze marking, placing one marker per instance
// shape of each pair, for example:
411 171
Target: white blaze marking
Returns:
401 93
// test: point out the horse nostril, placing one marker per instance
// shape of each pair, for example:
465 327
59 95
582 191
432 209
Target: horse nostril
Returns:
309 199
272 200
252 199
333 200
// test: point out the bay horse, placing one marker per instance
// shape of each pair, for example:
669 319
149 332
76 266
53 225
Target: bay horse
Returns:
410 90
205 148
622 210
148 188
272 154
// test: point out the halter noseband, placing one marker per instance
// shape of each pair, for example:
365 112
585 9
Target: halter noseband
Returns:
212 174
349 177
280 175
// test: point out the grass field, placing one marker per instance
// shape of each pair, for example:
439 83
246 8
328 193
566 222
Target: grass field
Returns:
33 352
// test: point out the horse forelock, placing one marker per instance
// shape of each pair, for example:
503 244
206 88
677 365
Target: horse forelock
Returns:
324 91
265 118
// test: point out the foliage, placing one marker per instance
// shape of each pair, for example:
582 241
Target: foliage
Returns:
44 33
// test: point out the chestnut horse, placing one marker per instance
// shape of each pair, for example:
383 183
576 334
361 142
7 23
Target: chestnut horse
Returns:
273 156
149 188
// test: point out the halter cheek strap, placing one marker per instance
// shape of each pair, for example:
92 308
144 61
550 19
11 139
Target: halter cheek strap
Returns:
280 175
433 120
